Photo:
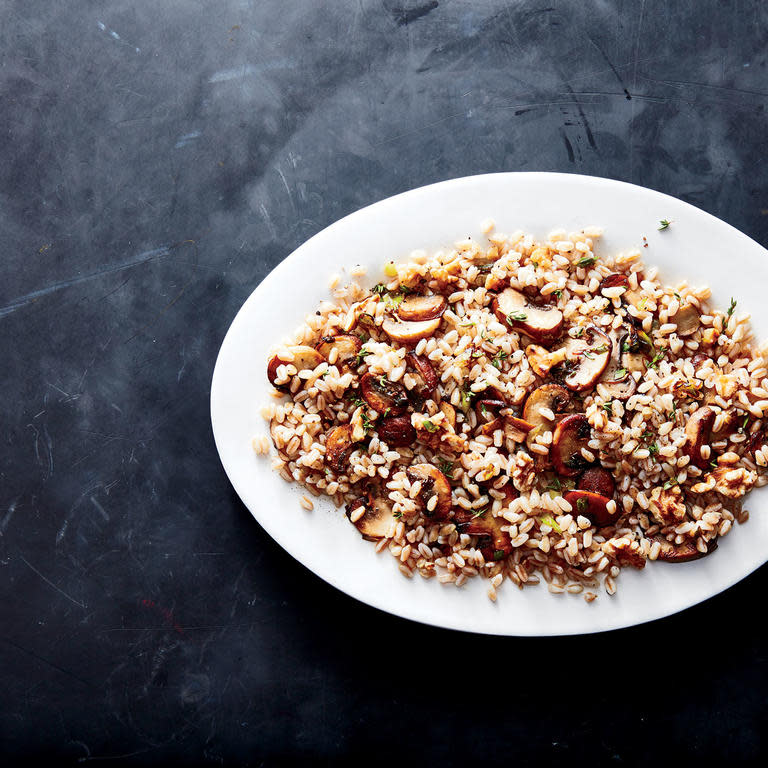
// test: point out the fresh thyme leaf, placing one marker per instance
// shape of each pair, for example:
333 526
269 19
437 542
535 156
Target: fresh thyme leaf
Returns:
585 261
429 426
599 350
397 515
653 450
608 407
516 315
366 422
672 481
379 288
483 409
625 345
497 358
578 333
480 512
731 308
663 224
619 374
657 358
363 353
498 554
558 292
446 467
582 504
555 485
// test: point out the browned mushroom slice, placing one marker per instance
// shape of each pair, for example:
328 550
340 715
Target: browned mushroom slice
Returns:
697 432
541 324
519 425
422 307
338 446
548 397
586 359
614 280
570 436
384 396
687 320
409 332
433 483
378 519
488 527
593 506
488 407
597 480
347 345
396 431
617 378
541 360
682 553
424 369
304 358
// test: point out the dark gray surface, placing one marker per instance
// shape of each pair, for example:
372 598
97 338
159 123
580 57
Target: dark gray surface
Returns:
157 159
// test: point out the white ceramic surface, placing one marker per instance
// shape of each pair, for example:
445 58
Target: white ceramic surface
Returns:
696 246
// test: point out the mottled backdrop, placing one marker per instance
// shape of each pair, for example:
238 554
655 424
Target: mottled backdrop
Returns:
157 159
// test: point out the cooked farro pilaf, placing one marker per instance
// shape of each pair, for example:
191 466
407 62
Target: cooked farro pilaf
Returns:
524 410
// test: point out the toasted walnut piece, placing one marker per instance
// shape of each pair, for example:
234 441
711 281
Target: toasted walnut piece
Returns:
733 482
667 505
542 360
627 552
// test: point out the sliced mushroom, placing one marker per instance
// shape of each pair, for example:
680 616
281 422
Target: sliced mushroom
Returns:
697 433
433 483
384 396
586 359
541 324
396 431
597 480
488 407
424 369
550 397
541 360
378 519
422 307
617 378
593 506
347 345
682 553
338 445
614 280
687 320
485 525
409 332
570 436
304 358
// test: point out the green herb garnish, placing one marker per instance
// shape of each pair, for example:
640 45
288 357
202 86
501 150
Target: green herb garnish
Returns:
446 467
663 224
497 358
671 482
657 358
578 333
551 522
585 261
366 422
363 353
379 288
466 399
619 374
480 512
608 407
731 308
429 426
653 450
582 504
558 292
516 315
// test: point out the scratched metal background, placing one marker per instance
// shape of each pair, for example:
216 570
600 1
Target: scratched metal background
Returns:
157 159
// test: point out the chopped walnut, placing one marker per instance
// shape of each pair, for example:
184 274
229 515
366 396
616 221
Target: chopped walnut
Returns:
733 482
625 551
667 505
542 360
524 472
